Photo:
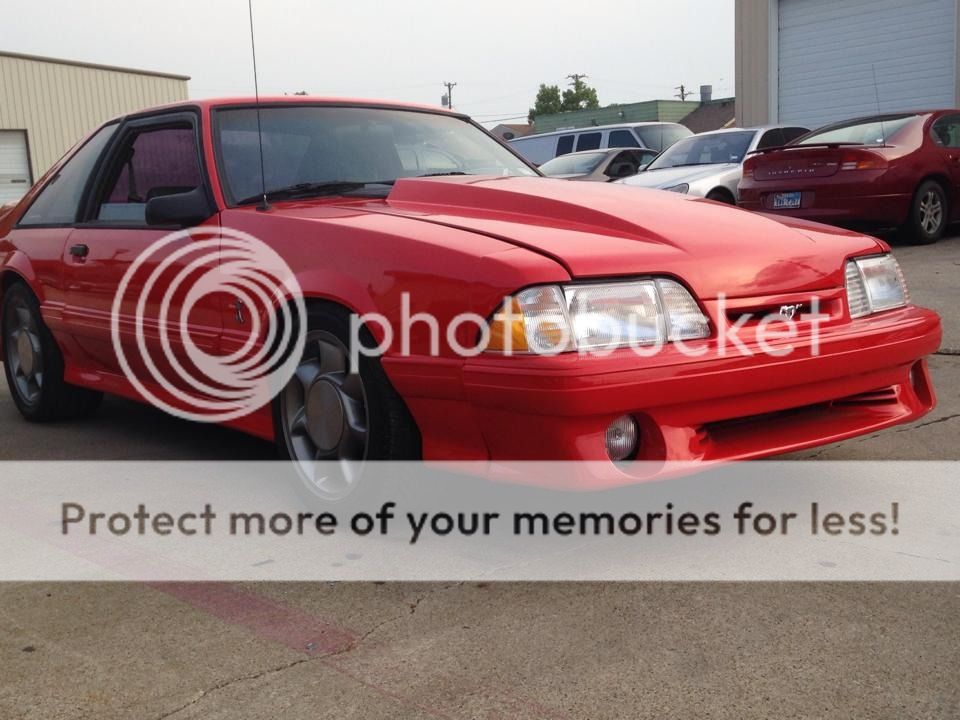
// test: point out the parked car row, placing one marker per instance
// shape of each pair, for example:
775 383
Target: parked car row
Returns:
898 171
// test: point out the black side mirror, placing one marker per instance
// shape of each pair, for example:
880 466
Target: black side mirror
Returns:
182 209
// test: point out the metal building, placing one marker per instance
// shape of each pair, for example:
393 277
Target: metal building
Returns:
47 105
810 62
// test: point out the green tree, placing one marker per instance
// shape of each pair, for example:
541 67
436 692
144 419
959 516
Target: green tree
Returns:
579 96
548 102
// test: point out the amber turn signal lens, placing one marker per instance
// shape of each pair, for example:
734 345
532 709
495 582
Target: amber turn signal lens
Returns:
506 325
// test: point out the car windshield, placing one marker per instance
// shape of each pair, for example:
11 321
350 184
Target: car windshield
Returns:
660 137
579 164
707 149
873 131
308 146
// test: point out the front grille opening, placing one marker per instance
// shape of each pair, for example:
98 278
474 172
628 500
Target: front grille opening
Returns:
881 396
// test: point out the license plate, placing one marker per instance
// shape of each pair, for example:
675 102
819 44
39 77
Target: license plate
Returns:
786 201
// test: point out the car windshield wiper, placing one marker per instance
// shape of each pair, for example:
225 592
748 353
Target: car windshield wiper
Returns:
667 167
312 189
442 174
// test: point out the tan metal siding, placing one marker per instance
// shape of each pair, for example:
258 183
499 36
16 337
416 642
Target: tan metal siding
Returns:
752 38
57 103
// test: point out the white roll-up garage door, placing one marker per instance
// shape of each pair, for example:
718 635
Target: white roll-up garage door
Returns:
828 50
14 165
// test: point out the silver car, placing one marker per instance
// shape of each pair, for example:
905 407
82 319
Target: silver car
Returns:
710 164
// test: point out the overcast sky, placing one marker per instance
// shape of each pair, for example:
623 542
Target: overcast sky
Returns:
497 52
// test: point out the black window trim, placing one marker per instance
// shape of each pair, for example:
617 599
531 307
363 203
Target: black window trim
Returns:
86 186
134 124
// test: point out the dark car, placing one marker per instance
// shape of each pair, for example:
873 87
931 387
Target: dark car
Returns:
599 165
885 171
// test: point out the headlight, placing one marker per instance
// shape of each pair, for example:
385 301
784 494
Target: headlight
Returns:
681 188
552 319
874 284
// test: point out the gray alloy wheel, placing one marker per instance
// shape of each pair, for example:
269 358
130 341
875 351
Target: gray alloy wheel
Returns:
324 417
33 363
931 212
24 351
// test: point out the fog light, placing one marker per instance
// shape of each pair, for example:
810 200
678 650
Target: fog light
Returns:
622 438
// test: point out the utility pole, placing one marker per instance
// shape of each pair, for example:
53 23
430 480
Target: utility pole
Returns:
683 92
577 77
449 86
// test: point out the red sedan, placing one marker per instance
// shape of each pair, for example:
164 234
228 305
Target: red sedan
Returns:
887 171
576 321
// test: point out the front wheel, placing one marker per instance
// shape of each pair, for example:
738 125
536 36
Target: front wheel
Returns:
928 214
721 196
33 364
331 411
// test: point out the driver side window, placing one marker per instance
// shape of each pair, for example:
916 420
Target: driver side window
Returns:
151 163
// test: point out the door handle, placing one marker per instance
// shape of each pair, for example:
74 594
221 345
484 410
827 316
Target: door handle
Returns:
79 251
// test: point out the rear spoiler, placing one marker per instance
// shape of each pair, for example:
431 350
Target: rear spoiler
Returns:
811 145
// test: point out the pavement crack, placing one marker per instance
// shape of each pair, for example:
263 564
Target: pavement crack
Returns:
233 681
397 618
945 418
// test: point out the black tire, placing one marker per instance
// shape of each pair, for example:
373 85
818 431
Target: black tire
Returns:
41 395
721 196
391 432
920 228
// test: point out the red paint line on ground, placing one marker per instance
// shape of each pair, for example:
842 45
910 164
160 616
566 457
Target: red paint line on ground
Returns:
303 632
295 629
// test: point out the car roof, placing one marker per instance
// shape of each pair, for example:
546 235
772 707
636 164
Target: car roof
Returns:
885 116
607 151
752 128
305 100
592 128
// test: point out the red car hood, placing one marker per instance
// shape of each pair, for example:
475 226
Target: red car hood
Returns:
603 230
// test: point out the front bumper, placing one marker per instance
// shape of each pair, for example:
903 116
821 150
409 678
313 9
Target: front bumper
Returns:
863 376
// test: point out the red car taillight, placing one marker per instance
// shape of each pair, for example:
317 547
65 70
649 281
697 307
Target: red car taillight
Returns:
862 160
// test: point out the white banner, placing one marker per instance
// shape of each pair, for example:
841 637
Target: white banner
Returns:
189 521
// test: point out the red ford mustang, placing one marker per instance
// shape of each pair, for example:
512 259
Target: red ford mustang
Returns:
396 211
886 171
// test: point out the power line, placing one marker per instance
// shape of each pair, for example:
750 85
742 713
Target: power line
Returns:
683 92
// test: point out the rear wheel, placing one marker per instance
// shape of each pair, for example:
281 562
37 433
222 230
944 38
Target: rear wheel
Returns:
33 364
928 214
330 411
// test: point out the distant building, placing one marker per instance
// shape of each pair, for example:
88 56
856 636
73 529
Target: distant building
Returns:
711 115
812 62
650 110
510 131
47 105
